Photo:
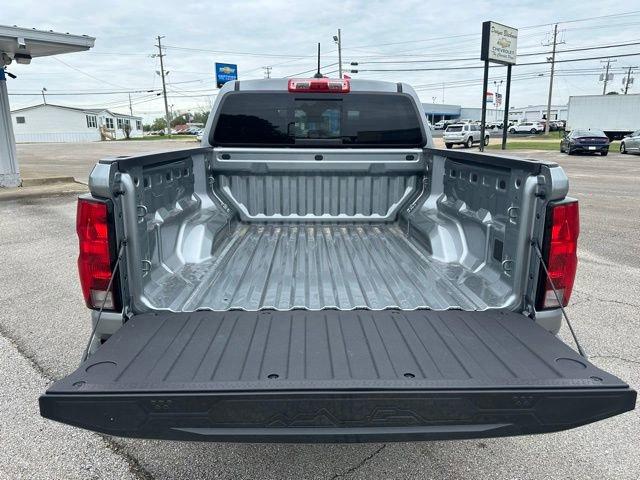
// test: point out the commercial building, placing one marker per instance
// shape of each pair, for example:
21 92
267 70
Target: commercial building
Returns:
62 124
438 111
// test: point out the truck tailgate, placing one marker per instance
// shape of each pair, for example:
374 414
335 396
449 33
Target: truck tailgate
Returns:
334 376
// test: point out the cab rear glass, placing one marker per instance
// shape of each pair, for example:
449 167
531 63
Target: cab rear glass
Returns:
312 119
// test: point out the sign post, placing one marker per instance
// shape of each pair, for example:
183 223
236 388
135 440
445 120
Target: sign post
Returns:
499 45
505 121
225 72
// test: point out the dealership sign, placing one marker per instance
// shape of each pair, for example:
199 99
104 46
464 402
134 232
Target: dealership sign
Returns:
499 43
225 72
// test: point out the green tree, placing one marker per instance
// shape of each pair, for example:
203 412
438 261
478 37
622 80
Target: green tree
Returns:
179 120
201 117
159 124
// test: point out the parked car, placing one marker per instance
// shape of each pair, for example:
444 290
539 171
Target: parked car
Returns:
585 141
463 134
527 127
440 125
199 135
310 277
631 143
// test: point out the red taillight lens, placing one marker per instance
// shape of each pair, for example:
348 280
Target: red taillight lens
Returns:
95 259
561 254
319 85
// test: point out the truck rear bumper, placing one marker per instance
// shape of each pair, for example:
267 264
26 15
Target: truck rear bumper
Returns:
334 376
372 416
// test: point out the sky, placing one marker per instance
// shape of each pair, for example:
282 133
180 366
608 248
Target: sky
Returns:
283 35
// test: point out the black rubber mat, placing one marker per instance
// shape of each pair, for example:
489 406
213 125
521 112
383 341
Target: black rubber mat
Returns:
332 350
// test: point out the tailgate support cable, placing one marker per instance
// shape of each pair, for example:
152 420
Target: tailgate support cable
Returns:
536 247
85 354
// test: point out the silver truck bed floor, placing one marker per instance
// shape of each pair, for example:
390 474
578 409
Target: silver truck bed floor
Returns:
316 266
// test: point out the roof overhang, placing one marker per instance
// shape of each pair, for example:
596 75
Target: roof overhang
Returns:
31 43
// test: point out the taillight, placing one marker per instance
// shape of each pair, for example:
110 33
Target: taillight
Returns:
560 254
319 85
95 261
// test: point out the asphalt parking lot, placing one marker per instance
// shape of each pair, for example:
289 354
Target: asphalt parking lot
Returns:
44 326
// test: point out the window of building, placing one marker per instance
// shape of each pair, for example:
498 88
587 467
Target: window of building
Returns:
138 124
108 121
120 123
20 120
92 121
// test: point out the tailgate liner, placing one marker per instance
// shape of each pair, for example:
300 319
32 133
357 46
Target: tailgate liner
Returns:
334 376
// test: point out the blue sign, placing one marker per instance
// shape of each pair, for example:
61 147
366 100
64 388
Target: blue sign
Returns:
226 72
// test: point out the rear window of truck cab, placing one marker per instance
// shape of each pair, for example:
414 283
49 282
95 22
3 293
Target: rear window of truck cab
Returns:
318 120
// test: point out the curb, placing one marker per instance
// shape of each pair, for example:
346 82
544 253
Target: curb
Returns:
37 182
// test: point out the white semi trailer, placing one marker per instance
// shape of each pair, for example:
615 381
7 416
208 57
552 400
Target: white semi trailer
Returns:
616 115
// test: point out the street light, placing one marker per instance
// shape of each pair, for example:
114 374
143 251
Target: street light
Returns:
44 99
338 40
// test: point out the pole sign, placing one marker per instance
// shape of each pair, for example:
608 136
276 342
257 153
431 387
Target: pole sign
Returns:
489 97
225 72
499 43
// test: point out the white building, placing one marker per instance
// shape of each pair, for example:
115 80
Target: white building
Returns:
57 123
533 113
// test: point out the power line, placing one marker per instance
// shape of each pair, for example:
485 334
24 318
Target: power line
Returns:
495 66
52 93
634 12
87 74
315 69
531 54
252 54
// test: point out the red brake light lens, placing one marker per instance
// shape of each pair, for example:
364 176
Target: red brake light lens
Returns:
561 254
319 85
95 258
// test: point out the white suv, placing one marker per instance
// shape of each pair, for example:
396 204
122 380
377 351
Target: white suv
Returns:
463 134
527 127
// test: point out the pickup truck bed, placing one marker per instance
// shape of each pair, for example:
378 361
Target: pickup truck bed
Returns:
349 376
315 266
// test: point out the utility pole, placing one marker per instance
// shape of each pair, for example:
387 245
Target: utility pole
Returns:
552 59
130 107
628 80
267 71
164 87
443 92
338 40
606 75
